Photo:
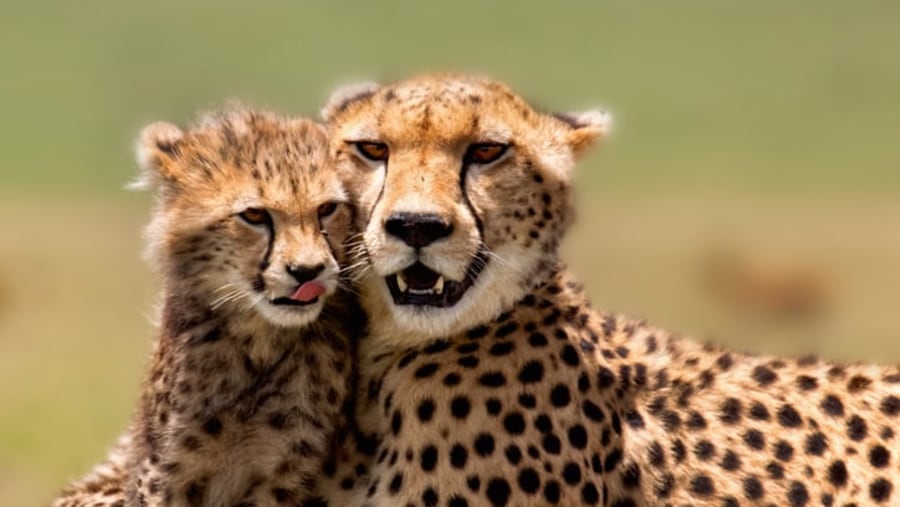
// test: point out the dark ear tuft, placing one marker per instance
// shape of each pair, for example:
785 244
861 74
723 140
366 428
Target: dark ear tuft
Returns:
158 148
585 128
346 95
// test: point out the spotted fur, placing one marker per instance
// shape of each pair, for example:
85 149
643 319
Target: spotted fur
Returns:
244 393
522 394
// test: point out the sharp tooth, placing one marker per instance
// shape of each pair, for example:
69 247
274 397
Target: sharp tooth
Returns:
402 283
439 285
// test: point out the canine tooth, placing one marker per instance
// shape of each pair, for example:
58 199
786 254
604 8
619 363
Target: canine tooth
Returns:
439 285
402 283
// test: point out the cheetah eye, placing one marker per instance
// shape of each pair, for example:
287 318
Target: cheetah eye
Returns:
374 151
327 209
255 216
484 153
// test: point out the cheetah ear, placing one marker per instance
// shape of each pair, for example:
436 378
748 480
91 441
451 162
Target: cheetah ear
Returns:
346 95
158 149
585 128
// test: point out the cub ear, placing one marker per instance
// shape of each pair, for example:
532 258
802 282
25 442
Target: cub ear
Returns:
158 149
346 95
585 128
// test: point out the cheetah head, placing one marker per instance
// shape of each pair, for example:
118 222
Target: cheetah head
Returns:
250 216
463 192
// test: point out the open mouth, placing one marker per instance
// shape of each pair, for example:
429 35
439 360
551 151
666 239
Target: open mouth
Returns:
283 301
419 285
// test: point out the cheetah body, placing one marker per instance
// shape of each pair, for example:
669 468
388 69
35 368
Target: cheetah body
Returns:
520 393
250 375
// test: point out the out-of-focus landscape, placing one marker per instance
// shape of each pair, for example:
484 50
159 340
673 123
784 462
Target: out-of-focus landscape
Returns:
750 193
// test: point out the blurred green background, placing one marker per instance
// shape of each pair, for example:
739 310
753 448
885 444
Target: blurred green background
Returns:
750 192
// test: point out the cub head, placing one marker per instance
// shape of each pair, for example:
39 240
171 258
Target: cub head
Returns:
251 215
463 192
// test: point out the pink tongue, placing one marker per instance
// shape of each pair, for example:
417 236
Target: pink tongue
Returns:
308 291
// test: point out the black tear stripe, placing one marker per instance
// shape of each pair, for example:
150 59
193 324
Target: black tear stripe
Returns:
380 193
462 190
264 263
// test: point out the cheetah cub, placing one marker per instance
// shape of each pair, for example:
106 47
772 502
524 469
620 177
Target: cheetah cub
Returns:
252 370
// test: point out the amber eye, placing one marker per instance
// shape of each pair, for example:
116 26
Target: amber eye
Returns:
376 152
326 209
485 153
255 216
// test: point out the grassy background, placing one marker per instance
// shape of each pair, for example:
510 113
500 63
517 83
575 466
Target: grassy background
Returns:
762 128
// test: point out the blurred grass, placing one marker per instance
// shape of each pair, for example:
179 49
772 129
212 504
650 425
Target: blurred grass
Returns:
769 123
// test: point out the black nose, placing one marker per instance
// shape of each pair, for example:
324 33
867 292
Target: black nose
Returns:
418 229
304 274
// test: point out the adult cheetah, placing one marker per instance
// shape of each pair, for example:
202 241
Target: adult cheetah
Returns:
250 376
487 379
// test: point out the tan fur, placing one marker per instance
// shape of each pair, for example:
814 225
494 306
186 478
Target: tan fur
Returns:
521 394
243 393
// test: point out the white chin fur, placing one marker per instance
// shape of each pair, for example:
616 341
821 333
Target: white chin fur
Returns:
289 316
495 290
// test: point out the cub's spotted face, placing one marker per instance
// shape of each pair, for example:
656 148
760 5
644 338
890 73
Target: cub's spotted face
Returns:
251 212
463 191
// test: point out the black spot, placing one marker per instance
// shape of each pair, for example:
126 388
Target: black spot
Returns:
833 406
514 423
396 483
789 418
537 340
532 372
592 411
759 412
452 379
837 474
879 457
880 490
578 436
816 444
764 376
856 428
589 494
484 444
807 383
784 451
754 439
492 379
702 485
634 419
571 473
696 421
212 426
551 443
731 461
527 400
458 456
753 488
426 370
498 491
425 410
430 497
493 406
457 501
437 347
529 481
468 361
797 495
560 396
428 459
543 423
569 355
730 411
605 377
612 460
704 450
396 422
513 454
460 407
551 491
631 476
890 405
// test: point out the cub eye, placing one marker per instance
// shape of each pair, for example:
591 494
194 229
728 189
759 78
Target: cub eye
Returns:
326 209
255 216
376 152
485 153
